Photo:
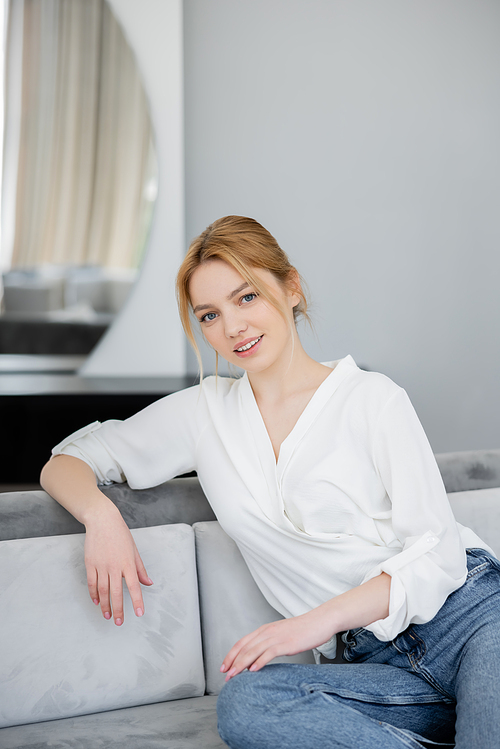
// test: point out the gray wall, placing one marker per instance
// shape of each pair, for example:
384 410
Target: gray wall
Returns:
365 136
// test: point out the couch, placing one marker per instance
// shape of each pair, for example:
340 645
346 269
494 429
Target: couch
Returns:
69 679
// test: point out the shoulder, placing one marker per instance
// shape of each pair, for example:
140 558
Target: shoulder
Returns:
365 384
363 394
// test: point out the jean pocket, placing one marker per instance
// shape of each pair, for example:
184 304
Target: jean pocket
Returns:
361 645
479 560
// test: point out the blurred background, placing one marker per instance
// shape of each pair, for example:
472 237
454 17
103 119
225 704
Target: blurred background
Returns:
363 135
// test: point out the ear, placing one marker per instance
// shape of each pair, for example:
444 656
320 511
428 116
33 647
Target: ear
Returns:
294 287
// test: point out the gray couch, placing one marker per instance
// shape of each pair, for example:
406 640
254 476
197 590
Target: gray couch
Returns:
69 679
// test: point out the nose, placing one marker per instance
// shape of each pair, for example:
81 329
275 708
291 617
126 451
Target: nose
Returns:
234 324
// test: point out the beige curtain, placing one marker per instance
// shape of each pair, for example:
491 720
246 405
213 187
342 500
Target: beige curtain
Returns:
85 138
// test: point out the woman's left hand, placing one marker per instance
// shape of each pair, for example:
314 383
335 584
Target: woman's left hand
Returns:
285 637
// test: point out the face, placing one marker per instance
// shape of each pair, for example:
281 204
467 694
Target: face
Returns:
243 327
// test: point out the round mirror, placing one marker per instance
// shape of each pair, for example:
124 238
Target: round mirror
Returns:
79 176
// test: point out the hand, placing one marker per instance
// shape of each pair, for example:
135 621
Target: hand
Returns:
285 637
110 555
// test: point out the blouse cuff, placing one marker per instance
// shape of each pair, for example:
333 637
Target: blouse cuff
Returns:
82 445
328 649
400 614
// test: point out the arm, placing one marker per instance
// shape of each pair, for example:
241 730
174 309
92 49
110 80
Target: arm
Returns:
356 608
147 449
432 561
110 551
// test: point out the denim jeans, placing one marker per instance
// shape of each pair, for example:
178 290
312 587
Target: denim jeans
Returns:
435 684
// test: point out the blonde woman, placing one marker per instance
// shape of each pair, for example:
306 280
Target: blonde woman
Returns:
323 476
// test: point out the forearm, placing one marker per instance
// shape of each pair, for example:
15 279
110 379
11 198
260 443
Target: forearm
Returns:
360 606
356 608
72 483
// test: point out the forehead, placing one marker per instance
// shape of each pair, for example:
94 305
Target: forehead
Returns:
212 279
215 279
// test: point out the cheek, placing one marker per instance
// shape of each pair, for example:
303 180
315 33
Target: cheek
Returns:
212 335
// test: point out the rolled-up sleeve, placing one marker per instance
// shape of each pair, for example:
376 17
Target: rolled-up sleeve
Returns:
145 450
432 561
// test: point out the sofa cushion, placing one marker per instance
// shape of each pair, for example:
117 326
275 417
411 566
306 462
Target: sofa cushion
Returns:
479 510
231 603
182 724
67 659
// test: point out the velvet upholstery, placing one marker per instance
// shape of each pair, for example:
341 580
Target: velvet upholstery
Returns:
231 605
35 513
474 469
59 657
480 510
182 724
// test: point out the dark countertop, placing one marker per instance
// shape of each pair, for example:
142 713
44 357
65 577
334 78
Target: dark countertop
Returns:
42 401
72 384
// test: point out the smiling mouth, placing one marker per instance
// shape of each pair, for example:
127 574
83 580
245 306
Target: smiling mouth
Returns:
249 345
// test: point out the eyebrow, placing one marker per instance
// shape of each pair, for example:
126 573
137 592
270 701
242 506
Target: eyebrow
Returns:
244 285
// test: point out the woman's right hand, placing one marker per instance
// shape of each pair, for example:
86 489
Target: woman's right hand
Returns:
110 556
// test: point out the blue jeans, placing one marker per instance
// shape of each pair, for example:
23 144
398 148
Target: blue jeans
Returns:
434 684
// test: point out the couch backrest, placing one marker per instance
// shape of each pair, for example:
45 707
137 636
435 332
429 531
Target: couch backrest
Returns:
181 500
473 469
35 513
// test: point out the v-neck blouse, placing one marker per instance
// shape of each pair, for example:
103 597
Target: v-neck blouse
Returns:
355 491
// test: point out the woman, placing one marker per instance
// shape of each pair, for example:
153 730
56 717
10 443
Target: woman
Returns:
323 476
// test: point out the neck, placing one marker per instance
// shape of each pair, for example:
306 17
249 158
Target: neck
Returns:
293 372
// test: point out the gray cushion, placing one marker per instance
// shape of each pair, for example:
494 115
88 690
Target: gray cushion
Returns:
231 603
473 469
184 724
479 510
59 657
35 513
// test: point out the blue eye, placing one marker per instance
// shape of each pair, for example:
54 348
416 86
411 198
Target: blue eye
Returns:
208 317
248 297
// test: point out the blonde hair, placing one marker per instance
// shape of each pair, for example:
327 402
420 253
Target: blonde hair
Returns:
244 244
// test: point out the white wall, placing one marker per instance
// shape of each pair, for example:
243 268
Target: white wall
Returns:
147 338
365 136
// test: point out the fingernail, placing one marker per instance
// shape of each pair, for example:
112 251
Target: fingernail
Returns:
139 612
107 615
118 622
223 668
96 602
150 581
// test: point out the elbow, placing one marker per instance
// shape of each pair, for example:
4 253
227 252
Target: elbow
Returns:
46 473
43 474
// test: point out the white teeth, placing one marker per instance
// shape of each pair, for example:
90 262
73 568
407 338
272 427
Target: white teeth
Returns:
249 345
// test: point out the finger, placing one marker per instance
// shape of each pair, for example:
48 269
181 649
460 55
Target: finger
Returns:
248 655
116 592
238 646
103 591
141 570
135 592
92 584
254 659
265 658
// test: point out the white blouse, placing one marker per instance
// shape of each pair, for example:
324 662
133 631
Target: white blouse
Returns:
355 491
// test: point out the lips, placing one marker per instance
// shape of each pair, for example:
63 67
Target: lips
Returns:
247 342
248 346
